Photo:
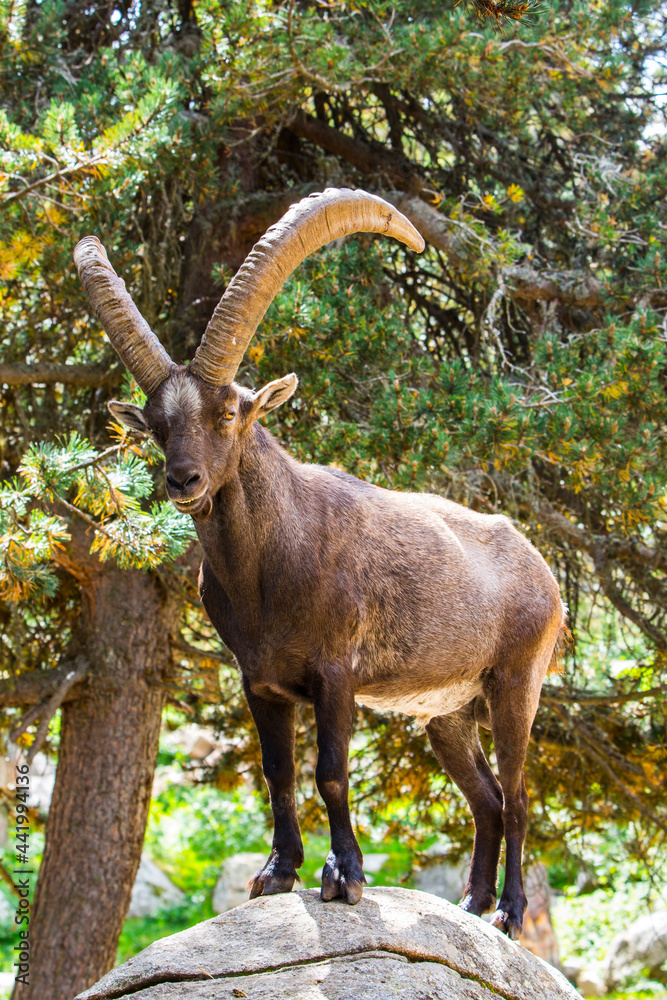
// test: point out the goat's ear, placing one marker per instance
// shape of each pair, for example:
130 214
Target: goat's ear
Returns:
272 395
129 414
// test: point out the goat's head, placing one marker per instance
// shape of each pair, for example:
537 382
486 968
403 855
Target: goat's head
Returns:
197 414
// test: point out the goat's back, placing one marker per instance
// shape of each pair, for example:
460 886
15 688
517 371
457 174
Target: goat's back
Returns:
427 579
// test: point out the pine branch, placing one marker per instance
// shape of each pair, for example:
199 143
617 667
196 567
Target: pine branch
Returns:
497 10
90 463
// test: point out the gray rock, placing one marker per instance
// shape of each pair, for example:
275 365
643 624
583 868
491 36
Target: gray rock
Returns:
445 879
590 981
367 976
231 889
153 891
394 943
572 969
201 746
538 933
640 948
374 862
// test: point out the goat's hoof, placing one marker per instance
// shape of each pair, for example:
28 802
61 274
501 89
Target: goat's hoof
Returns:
507 923
477 904
342 878
274 877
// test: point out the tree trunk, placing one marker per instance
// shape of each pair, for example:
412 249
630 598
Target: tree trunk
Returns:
108 747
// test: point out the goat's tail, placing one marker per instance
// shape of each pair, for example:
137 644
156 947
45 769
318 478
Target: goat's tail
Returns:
564 642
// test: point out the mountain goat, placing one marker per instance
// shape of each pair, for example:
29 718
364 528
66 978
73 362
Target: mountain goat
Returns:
332 591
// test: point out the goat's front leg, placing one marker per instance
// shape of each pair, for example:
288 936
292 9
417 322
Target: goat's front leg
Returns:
275 725
342 875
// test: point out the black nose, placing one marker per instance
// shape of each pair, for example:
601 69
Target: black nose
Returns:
189 480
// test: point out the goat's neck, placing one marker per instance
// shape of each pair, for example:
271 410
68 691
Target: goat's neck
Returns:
245 511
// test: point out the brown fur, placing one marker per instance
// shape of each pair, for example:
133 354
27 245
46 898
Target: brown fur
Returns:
330 590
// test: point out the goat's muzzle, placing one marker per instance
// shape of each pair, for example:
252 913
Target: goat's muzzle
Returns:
200 507
188 491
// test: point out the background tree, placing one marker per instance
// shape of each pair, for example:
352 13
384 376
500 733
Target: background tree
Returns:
518 365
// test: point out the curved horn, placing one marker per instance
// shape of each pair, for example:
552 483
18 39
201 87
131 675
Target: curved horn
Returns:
139 349
305 227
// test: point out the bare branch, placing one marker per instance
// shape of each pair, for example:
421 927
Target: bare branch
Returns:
574 288
50 372
7 878
594 753
34 687
613 594
524 284
199 654
49 709
57 175
370 159
554 696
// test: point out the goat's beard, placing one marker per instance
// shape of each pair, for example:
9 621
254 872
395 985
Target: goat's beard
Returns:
204 511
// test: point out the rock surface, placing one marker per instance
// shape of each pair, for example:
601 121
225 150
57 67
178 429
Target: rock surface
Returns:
538 933
153 891
448 880
394 943
590 981
640 947
443 878
231 889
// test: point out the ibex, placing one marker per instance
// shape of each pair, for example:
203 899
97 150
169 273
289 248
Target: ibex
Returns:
331 591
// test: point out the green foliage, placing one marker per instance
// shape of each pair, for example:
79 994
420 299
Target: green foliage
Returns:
422 418
28 544
587 924
139 932
8 856
192 829
51 470
108 486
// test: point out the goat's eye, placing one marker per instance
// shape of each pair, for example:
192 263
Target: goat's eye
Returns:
229 415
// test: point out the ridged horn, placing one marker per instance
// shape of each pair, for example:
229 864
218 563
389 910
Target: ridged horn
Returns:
305 227
139 349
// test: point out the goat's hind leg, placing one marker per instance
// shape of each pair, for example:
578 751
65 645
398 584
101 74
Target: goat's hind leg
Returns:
455 742
512 694
342 875
275 725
